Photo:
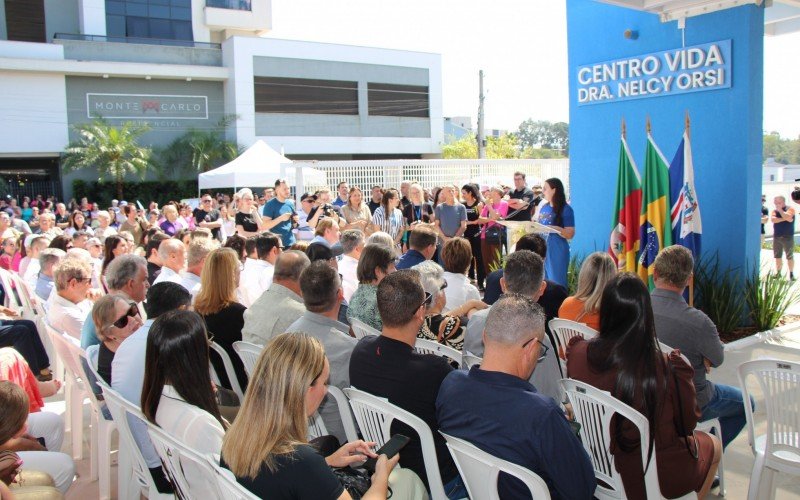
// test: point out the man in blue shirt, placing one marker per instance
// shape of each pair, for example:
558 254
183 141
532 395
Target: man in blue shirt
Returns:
494 407
343 192
280 215
421 247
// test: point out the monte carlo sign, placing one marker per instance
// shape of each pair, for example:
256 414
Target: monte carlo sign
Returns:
677 71
147 106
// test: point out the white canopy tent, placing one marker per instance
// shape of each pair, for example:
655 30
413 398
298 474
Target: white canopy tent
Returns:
260 166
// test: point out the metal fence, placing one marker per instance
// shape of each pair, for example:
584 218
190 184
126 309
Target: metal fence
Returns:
30 189
432 173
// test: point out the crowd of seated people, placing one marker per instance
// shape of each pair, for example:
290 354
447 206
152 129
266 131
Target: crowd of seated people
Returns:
151 289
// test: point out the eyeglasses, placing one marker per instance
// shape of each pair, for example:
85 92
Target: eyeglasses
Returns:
443 286
83 280
206 201
132 312
544 349
428 300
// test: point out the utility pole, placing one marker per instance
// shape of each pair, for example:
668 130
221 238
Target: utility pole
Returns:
481 138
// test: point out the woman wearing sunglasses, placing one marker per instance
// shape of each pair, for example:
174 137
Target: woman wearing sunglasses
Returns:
115 318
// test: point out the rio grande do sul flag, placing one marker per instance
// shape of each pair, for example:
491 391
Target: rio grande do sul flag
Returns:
624 240
655 225
687 228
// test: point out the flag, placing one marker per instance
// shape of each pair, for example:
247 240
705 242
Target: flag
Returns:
655 227
687 228
624 241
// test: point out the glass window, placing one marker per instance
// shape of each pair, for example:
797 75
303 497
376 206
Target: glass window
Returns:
136 9
182 30
137 27
181 13
397 100
181 3
160 28
159 11
115 25
301 95
115 8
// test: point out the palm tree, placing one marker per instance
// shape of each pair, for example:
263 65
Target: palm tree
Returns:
113 151
199 151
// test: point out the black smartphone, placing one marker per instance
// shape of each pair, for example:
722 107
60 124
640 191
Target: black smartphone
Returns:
390 449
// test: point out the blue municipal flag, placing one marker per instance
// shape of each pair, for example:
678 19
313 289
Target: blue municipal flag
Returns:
655 226
687 227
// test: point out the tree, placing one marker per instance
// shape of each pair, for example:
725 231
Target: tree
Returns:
785 151
113 151
464 148
198 151
543 133
505 146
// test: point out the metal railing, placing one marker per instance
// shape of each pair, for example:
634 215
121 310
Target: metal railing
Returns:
230 4
142 41
432 173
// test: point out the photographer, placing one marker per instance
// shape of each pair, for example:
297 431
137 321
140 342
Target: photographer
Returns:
323 208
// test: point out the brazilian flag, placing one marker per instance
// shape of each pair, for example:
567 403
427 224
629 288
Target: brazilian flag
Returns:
655 226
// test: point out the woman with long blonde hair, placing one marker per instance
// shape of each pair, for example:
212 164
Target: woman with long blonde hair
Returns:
267 446
356 213
584 307
217 303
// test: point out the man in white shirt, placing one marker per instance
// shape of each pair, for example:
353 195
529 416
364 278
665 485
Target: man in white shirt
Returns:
257 277
69 306
353 244
172 253
281 305
35 247
48 260
127 369
199 249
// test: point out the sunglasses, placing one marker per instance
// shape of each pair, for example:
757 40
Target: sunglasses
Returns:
428 300
206 201
544 349
132 312
443 286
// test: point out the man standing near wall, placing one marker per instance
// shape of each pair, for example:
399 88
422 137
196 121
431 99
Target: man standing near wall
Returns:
783 239
343 191
520 203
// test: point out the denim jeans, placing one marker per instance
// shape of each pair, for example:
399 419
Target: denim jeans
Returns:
728 406
456 489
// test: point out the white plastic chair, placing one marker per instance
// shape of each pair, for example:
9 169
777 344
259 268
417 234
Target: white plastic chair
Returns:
12 300
316 426
471 360
74 390
102 428
480 471
563 330
134 476
190 472
249 354
594 410
229 371
375 416
361 329
778 450
227 483
424 346
25 296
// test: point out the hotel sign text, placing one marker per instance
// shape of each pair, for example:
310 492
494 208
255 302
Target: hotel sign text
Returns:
147 106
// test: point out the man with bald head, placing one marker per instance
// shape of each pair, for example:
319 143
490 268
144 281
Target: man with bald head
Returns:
172 254
494 407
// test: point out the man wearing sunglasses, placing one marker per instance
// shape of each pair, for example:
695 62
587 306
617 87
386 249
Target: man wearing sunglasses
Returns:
516 423
205 215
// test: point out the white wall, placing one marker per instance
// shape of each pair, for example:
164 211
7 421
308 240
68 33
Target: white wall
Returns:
92 17
238 53
34 113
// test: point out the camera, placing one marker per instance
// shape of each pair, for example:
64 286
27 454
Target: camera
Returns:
327 209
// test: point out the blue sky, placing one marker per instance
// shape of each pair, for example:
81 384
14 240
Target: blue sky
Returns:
520 44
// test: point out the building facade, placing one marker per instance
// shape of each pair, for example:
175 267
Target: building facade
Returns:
180 65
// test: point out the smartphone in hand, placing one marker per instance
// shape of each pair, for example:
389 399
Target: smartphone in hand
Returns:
390 449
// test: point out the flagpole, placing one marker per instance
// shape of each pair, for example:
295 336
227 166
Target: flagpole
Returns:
647 126
623 127
687 124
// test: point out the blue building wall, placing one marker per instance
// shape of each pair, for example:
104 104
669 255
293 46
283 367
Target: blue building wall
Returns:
726 131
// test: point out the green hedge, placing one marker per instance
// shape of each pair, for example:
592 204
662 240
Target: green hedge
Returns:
145 192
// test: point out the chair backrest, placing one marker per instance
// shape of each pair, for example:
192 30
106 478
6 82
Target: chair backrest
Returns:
123 412
229 487
12 301
249 354
563 330
86 373
361 329
229 371
375 416
471 360
190 472
480 471
594 410
667 349
62 344
316 426
779 382
424 346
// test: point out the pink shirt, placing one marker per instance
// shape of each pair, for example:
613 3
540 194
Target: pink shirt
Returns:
501 208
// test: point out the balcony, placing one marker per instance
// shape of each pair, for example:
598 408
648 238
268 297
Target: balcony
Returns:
231 4
143 50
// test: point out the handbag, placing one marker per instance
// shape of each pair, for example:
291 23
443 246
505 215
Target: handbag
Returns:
688 436
495 234
355 481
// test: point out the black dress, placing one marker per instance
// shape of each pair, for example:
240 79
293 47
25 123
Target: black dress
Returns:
247 221
225 328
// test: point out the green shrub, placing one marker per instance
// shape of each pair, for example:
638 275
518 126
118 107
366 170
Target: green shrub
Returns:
719 293
145 191
768 298
573 271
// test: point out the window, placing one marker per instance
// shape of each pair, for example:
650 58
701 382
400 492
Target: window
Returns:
162 19
299 95
398 100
